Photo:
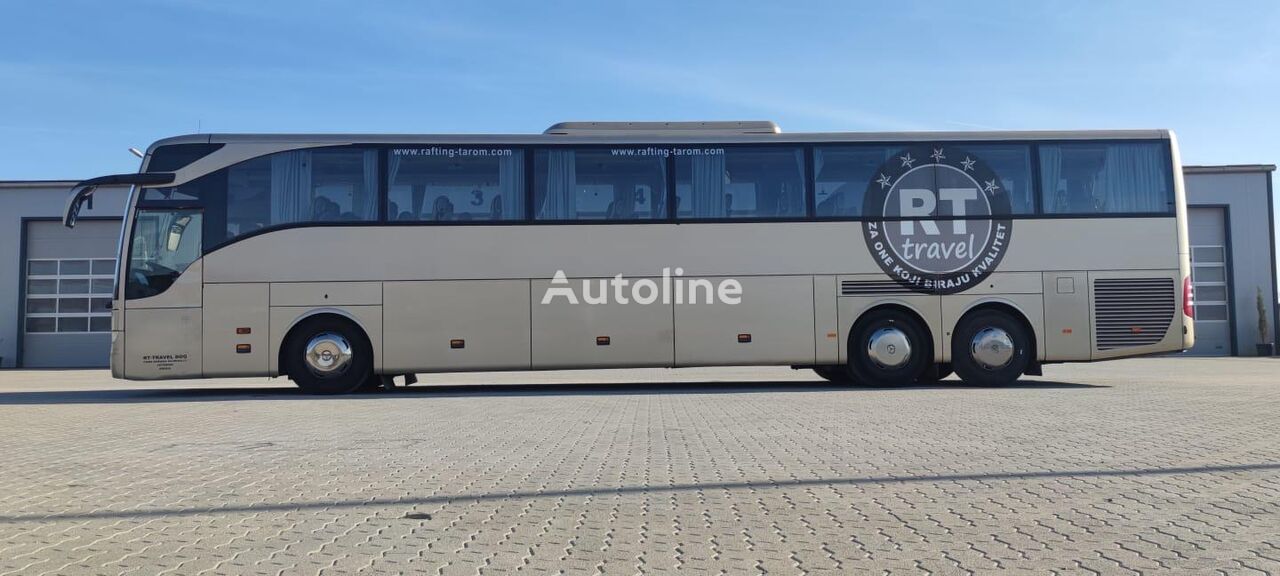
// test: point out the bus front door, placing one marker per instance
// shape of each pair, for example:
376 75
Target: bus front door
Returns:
163 289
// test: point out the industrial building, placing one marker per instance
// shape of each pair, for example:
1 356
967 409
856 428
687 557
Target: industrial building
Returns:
1233 256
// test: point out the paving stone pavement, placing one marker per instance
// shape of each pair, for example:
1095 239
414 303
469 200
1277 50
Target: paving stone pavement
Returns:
1139 466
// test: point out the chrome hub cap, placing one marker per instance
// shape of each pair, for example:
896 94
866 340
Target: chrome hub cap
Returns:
992 348
889 348
328 354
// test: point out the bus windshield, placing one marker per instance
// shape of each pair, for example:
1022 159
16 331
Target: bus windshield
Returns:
163 244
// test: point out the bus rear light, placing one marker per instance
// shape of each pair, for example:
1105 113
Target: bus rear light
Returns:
1188 298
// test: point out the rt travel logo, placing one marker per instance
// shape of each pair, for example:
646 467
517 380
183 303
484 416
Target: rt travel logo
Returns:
945 223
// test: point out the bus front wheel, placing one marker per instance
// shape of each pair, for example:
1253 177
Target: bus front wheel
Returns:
990 348
889 348
328 355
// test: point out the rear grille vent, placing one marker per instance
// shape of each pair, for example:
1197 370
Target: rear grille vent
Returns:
871 288
1132 312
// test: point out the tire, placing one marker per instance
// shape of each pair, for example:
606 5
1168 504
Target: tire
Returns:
887 330
935 373
327 332
837 374
982 340
372 384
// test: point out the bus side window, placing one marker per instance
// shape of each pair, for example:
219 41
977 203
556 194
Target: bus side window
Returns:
741 182
600 184
1011 164
841 176
446 184
1106 178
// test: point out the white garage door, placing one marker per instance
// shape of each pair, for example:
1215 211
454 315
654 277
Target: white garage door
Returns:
1209 275
68 276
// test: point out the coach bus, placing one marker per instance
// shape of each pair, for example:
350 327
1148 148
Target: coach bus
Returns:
343 261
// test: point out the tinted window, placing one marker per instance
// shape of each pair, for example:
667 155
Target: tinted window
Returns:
1012 165
194 191
302 186
842 174
455 184
606 184
321 185
175 156
741 183
1106 177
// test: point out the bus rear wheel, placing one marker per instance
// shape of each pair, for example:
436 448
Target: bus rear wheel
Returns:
990 348
889 348
328 355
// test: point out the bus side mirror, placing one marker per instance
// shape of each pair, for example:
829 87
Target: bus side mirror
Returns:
78 197
84 189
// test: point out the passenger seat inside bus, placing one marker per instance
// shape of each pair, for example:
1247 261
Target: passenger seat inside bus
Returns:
495 208
442 209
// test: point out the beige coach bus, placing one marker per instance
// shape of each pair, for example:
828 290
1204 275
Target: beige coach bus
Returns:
343 261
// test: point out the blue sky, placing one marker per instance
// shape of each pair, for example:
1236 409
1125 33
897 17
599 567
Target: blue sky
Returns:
81 81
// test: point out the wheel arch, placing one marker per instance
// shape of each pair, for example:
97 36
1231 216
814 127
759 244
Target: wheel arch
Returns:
1004 306
890 305
337 313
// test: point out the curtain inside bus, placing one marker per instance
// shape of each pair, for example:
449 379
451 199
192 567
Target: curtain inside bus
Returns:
510 198
708 198
291 187
1055 197
369 199
1135 180
562 173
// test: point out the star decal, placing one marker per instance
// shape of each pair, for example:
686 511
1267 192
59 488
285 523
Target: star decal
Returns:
907 160
968 163
990 187
937 155
883 181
